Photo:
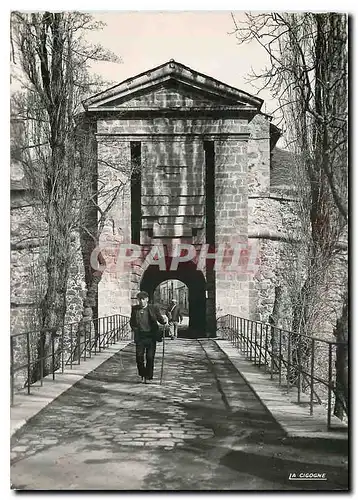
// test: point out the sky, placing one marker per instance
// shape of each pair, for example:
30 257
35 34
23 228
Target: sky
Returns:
198 39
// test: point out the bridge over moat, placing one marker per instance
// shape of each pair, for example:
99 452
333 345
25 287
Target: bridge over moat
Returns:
218 421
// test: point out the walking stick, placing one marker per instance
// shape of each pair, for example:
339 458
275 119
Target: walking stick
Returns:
162 369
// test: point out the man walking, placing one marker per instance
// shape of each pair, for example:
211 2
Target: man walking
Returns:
174 316
144 322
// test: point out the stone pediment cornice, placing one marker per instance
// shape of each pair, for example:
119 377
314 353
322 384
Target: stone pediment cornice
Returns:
173 75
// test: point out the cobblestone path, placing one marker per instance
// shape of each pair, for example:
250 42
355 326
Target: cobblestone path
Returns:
202 429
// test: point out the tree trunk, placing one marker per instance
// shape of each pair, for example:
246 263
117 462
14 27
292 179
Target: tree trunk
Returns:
53 306
342 362
274 320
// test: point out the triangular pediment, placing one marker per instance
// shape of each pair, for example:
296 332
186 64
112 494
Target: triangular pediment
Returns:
171 85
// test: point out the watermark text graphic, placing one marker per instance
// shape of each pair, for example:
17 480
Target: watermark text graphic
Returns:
116 257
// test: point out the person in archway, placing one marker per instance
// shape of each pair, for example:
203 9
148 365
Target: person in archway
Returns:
144 323
174 316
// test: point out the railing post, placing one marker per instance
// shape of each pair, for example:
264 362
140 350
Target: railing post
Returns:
288 360
239 335
312 375
280 359
242 335
62 349
247 329
251 328
255 343
260 347
90 338
42 355
95 328
272 332
85 341
12 378
329 387
98 340
246 337
299 371
53 354
266 327
231 330
79 345
28 362
71 346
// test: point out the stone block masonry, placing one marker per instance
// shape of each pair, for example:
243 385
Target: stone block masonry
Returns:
114 173
231 221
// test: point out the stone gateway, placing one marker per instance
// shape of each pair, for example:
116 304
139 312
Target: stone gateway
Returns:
194 157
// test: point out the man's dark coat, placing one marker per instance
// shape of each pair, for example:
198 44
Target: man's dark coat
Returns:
154 317
174 314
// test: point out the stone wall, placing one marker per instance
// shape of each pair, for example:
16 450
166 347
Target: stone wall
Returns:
114 170
163 125
28 260
258 156
173 190
273 229
231 223
28 277
28 253
76 289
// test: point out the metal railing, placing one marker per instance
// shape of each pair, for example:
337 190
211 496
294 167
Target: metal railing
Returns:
296 360
36 354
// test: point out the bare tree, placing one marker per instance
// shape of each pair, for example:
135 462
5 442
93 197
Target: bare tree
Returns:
54 59
307 74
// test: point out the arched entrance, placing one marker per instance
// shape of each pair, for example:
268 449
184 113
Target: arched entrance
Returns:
194 280
168 290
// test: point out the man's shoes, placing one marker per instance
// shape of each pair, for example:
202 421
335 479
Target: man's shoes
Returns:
172 337
148 381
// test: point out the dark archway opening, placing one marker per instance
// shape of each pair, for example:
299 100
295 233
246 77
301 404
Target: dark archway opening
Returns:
174 289
195 281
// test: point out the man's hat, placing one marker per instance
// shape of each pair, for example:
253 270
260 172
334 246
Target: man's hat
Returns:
142 295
